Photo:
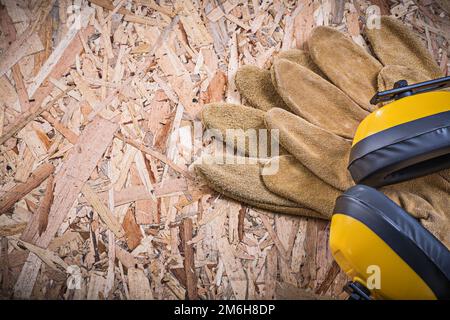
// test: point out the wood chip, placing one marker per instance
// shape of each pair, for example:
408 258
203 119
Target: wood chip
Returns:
139 285
188 262
103 211
16 193
233 267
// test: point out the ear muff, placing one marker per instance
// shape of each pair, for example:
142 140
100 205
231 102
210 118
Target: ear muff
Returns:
405 139
379 245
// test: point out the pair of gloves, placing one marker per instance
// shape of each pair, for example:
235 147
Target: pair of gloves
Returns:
316 100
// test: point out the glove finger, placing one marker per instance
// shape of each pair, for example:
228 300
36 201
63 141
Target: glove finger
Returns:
243 183
315 99
225 116
296 183
322 152
395 44
301 58
255 85
346 64
390 74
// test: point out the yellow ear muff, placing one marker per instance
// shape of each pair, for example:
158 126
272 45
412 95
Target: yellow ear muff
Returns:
405 139
379 245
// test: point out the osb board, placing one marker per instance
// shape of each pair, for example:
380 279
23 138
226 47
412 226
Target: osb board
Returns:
123 217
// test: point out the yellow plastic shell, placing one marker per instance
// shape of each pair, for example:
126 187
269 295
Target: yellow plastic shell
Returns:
402 111
355 247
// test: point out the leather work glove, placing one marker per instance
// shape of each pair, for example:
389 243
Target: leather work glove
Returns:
319 138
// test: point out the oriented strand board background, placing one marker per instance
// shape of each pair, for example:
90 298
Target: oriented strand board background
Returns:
108 111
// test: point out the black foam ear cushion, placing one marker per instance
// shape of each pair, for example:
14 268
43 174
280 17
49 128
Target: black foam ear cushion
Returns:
403 152
425 254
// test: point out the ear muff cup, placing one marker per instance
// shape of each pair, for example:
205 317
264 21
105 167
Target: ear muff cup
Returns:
406 139
411 244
